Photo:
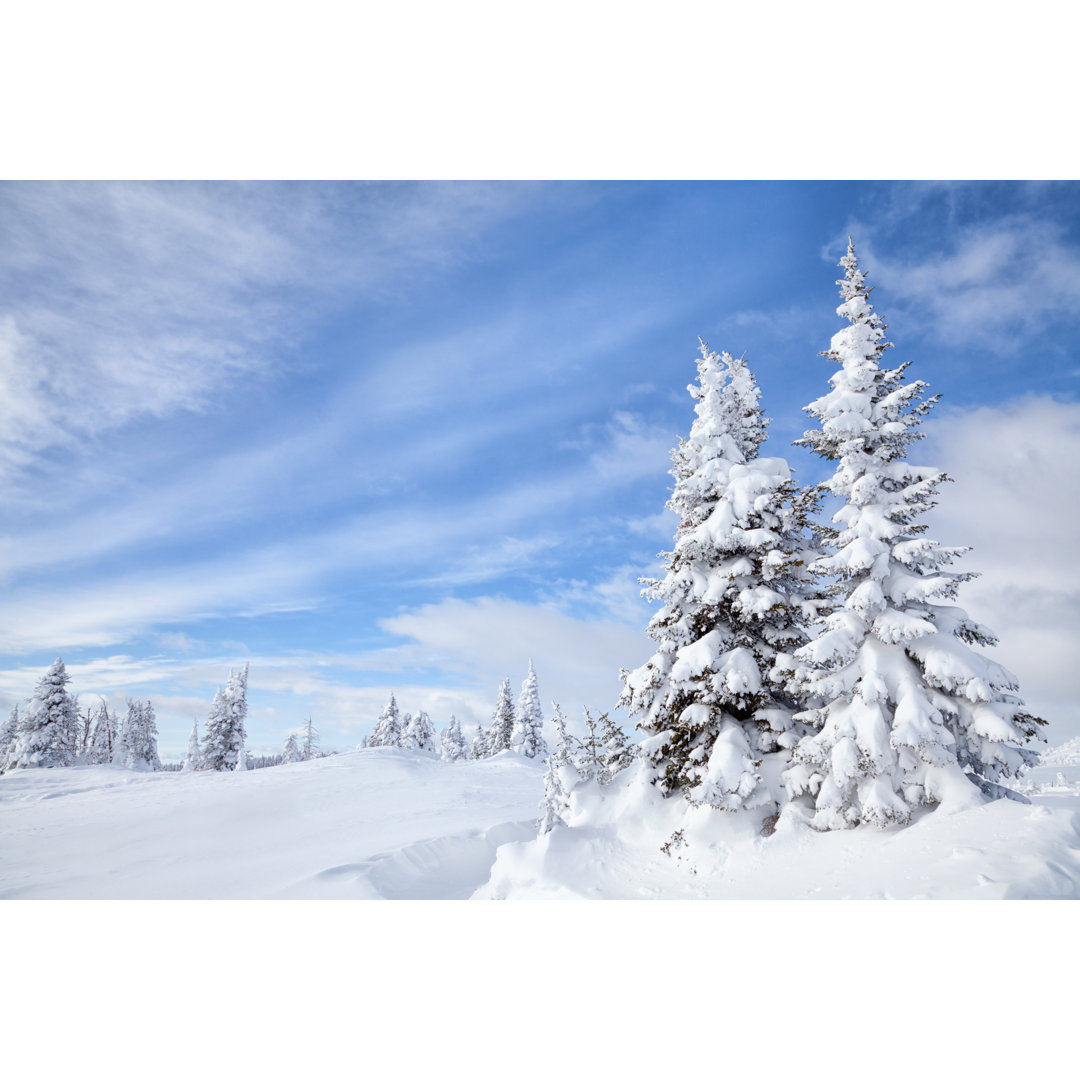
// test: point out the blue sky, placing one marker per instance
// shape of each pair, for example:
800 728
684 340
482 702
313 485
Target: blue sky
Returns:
407 436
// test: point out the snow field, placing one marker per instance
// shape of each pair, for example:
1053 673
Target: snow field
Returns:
397 824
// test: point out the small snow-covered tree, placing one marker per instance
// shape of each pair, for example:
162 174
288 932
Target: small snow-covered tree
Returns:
735 600
48 732
604 751
480 743
241 760
7 734
388 727
225 734
191 759
560 777
140 737
419 734
498 736
309 749
103 738
527 738
291 752
900 699
453 741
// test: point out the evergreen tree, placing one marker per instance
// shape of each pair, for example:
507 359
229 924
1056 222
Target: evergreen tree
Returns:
310 747
140 737
479 743
241 760
7 734
292 750
191 760
225 732
419 734
560 777
453 741
388 727
502 722
527 737
900 699
603 752
713 697
104 736
48 731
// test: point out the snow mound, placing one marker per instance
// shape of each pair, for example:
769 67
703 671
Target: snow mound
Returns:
638 846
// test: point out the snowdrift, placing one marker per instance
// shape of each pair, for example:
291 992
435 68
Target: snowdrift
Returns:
397 824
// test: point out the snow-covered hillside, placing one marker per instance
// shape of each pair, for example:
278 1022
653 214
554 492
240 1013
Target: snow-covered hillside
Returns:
401 824
383 822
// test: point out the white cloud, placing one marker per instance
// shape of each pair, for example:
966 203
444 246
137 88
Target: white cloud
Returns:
123 301
995 280
1016 503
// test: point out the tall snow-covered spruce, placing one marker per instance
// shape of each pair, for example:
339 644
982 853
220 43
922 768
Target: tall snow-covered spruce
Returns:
49 730
388 726
527 738
225 734
712 698
900 702
498 736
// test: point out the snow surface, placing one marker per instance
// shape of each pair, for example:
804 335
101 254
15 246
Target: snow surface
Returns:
369 824
400 824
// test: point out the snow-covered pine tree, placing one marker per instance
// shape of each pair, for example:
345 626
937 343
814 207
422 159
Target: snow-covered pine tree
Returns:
903 702
419 734
48 731
291 752
225 732
480 743
527 738
310 747
104 736
191 759
502 722
453 741
140 737
241 760
560 777
712 698
603 752
7 734
388 727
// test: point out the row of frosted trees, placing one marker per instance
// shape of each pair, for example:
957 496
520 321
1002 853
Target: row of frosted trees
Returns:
520 730
821 669
49 731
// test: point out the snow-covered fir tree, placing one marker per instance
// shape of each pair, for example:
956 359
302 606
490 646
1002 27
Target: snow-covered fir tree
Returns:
527 738
388 727
480 743
291 752
603 752
241 760
419 734
309 748
7 734
225 732
452 741
48 732
191 758
560 776
497 737
902 701
139 741
736 600
104 736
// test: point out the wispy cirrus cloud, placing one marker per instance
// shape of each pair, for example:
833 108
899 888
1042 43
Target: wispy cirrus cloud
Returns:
139 300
